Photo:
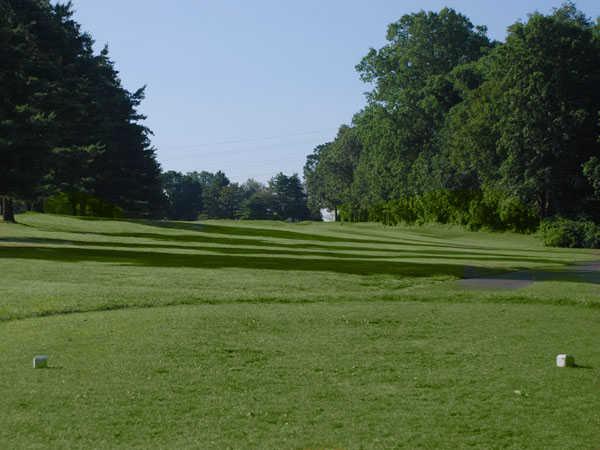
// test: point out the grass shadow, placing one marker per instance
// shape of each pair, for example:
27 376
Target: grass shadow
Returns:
578 366
210 261
228 247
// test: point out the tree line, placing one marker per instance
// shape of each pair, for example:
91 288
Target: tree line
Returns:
459 128
213 196
72 140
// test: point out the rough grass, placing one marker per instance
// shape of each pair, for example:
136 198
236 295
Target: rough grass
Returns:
271 335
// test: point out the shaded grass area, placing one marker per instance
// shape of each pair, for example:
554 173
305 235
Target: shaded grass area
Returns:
53 265
351 375
245 247
246 260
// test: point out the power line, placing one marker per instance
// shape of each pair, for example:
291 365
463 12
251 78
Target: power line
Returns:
249 140
226 152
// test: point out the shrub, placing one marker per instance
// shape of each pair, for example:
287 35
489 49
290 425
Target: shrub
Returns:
561 232
517 216
80 204
474 209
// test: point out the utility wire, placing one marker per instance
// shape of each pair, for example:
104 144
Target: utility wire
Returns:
228 152
248 140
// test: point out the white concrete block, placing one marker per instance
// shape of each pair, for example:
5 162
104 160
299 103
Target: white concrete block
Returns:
40 362
565 361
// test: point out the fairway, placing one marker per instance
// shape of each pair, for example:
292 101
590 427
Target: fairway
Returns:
228 334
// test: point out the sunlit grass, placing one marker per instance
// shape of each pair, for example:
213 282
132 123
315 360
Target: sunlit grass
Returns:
273 335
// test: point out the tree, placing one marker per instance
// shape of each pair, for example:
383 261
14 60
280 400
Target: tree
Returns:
329 171
183 195
289 198
214 184
259 206
552 103
257 202
531 125
591 169
412 93
25 78
230 201
460 129
60 104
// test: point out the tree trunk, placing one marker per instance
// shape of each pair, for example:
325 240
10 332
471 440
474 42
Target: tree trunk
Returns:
73 201
8 210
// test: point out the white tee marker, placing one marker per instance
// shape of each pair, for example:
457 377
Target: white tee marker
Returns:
40 362
565 361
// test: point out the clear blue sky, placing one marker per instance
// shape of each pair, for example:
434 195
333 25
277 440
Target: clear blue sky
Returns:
251 87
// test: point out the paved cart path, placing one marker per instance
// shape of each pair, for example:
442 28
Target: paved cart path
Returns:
585 273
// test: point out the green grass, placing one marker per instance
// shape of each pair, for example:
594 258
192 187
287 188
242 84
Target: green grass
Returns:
272 335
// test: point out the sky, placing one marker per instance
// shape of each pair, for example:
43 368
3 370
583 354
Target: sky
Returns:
251 87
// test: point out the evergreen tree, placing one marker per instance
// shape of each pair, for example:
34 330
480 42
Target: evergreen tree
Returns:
66 123
183 195
289 198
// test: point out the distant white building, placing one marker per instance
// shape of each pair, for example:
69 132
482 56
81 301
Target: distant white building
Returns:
328 215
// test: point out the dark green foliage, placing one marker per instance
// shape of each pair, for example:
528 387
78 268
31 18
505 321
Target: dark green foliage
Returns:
470 208
25 125
213 185
412 93
329 171
66 122
288 198
540 96
396 137
183 194
591 170
259 206
462 130
80 204
561 232
212 196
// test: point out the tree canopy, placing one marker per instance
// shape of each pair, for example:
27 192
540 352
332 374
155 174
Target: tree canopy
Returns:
66 122
213 196
457 129
461 129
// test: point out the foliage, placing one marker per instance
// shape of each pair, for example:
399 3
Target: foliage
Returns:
561 232
213 196
183 195
591 170
80 204
66 122
259 206
329 171
288 197
412 93
540 88
459 129
471 208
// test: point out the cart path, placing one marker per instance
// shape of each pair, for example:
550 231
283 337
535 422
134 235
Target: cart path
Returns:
583 273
